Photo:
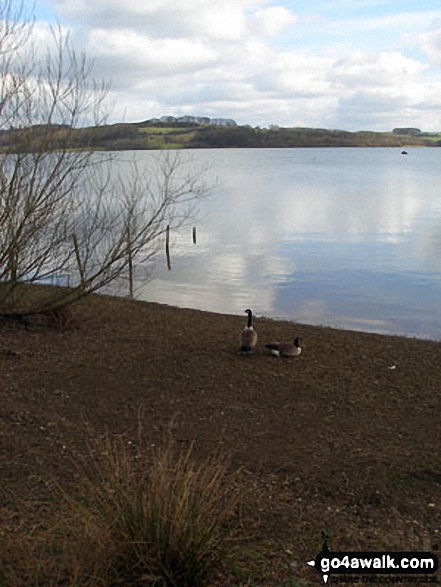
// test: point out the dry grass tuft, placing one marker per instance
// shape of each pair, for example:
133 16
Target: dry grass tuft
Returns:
167 513
161 519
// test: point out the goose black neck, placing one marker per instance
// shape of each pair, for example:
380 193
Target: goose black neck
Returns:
250 318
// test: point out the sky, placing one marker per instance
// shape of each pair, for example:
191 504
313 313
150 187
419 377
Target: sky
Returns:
337 64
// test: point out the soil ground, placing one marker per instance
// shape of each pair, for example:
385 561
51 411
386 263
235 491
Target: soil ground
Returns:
344 439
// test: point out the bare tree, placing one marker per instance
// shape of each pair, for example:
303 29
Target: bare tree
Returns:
63 210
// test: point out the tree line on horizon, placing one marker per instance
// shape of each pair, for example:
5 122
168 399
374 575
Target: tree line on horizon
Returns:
153 136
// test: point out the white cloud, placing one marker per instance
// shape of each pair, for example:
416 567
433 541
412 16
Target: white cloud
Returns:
152 56
162 18
399 22
369 69
430 42
274 20
301 75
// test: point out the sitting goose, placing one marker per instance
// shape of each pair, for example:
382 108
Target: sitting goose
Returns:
286 349
248 336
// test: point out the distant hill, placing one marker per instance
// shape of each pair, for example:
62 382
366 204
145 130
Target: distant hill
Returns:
190 133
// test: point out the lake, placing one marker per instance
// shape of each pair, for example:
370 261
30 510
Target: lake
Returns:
343 237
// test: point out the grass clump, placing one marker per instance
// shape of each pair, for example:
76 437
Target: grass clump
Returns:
159 520
167 515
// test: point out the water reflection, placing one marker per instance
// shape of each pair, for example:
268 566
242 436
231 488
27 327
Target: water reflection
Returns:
342 237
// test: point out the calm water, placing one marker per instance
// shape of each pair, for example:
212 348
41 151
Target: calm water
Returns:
349 238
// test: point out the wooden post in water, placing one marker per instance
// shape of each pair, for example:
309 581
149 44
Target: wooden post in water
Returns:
194 235
79 262
130 259
167 246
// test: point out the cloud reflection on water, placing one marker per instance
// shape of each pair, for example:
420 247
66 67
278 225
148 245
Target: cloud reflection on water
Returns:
342 237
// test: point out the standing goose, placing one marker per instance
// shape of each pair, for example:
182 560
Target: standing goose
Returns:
286 349
248 336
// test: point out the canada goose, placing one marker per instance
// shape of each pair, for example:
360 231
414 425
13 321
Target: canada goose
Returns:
286 349
248 336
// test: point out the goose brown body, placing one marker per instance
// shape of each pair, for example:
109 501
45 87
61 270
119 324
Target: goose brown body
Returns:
286 349
248 336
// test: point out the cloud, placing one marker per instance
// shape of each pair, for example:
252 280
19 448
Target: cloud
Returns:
369 69
398 22
161 18
300 75
274 20
258 62
430 43
142 55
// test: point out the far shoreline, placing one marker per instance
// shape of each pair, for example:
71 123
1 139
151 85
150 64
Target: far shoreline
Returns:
156 135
